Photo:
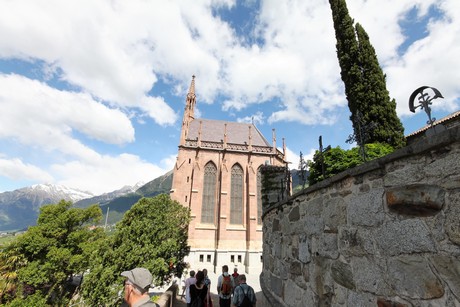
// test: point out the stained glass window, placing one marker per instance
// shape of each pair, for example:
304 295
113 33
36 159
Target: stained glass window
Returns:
209 194
236 199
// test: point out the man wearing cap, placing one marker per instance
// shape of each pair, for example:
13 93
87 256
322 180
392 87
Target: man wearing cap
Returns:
137 285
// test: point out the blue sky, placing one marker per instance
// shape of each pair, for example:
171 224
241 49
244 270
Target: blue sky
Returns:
92 92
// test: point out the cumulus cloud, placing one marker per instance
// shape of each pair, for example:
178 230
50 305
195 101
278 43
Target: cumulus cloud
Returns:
106 173
47 117
257 119
15 169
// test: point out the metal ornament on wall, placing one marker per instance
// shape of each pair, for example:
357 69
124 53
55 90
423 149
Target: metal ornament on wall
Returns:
425 100
302 171
321 155
362 134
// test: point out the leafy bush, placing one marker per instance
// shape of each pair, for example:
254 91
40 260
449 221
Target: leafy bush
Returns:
337 160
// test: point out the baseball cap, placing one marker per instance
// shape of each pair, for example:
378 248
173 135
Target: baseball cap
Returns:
140 277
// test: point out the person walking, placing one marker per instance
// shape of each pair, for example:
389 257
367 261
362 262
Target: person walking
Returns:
136 286
235 274
207 282
225 285
188 282
198 291
244 295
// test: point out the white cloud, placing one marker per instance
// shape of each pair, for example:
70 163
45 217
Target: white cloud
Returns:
47 117
258 119
168 163
106 173
15 169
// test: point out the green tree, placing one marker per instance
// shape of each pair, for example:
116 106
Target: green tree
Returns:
48 254
337 160
152 234
365 84
10 262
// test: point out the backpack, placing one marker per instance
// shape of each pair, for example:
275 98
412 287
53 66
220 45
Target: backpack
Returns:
246 301
226 288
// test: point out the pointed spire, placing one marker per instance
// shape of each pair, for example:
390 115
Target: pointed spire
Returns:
284 149
191 100
250 138
191 90
274 140
225 135
189 113
199 133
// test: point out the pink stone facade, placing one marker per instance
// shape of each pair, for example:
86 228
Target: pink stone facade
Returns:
225 144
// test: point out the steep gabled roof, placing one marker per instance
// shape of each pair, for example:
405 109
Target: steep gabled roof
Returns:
237 133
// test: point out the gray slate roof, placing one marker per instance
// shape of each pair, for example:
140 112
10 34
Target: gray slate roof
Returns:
237 133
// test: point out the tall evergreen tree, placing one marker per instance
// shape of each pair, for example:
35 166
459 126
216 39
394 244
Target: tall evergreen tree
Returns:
365 85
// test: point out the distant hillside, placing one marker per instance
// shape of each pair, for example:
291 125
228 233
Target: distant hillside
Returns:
119 205
106 197
20 208
157 186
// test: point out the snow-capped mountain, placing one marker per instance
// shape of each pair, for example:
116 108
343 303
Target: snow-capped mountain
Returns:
107 197
59 191
20 208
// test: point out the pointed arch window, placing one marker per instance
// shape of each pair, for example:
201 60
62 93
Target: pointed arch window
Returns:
236 199
209 194
259 196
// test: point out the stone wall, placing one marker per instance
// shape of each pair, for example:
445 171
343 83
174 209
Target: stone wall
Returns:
386 233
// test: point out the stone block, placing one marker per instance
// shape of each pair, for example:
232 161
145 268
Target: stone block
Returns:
313 225
404 237
276 225
361 299
327 246
314 206
293 294
342 274
448 269
366 209
294 214
354 241
443 168
452 224
276 284
415 199
334 214
304 252
369 275
295 268
388 303
405 172
411 276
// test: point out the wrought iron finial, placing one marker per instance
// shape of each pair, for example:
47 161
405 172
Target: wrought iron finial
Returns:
302 171
361 134
425 100
321 155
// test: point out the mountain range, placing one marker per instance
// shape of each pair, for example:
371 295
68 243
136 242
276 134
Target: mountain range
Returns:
20 208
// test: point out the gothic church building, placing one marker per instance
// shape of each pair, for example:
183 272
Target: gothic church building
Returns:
217 176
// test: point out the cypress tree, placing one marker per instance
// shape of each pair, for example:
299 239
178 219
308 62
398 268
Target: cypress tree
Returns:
365 84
